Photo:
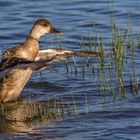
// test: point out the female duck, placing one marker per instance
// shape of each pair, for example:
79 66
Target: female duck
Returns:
12 84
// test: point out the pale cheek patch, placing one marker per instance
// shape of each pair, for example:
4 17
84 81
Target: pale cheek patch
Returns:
39 31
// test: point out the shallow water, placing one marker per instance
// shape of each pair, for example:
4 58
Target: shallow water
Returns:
96 116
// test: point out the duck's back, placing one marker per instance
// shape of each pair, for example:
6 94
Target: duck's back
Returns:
27 51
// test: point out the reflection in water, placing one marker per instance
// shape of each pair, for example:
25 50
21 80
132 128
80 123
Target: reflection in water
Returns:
27 116
24 116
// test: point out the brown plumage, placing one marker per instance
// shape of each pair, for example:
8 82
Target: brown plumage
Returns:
12 84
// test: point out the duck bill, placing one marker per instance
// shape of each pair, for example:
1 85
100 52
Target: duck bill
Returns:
55 31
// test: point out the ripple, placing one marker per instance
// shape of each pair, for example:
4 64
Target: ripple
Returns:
99 115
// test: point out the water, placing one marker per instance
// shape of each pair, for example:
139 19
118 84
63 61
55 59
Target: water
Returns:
97 116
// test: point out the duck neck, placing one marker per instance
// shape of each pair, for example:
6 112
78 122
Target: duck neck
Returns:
36 32
30 37
33 35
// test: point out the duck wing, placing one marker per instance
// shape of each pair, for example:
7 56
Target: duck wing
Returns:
49 53
11 57
32 65
10 62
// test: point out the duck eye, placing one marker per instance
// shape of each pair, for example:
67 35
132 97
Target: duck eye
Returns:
45 25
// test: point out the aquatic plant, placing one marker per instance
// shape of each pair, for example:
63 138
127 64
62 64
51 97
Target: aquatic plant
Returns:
112 66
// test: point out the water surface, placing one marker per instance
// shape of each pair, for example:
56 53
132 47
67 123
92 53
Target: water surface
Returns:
97 116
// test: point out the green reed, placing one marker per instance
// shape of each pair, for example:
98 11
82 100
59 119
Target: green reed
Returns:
113 63
66 66
138 40
90 42
68 109
122 45
83 70
82 43
75 107
136 86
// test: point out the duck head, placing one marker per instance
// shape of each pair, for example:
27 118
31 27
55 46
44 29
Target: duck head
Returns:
42 27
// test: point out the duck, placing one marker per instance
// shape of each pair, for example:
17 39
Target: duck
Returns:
15 77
